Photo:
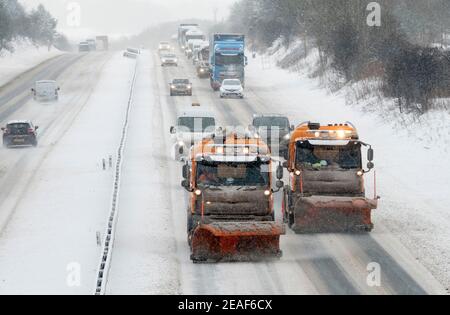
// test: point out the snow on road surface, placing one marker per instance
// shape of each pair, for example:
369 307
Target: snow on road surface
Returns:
25 57
50 231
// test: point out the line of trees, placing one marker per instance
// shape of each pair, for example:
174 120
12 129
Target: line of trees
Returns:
400 50
38 25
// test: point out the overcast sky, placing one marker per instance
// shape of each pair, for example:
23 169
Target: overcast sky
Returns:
117 17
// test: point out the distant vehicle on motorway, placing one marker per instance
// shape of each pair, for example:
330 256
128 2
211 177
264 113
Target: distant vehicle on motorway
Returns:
231 88
128 54
45 90
169 60
180 87
192 126
84 47
273 129
20 133
92 44
164 46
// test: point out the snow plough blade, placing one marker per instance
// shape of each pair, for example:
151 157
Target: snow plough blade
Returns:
236 241
332 215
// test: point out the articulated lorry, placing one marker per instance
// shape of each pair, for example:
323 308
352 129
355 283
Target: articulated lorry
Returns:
227 58
183 37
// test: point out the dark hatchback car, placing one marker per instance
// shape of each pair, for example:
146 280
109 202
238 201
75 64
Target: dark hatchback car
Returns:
19 133
181 87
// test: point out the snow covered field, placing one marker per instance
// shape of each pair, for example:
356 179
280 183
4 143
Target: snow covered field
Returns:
25 56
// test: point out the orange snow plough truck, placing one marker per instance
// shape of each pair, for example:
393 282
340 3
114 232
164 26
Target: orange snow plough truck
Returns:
230 215
326 192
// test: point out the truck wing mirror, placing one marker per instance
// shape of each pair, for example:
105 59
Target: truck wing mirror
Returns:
286 157
292 128
286 164
185 184
3 128
186 171
280 172
173 130
370 155
370 165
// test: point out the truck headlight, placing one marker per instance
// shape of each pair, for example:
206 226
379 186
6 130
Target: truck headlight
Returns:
267 193
287 137
198 192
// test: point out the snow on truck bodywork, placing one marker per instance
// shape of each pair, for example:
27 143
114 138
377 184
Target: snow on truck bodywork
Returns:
227 58
326 191
231 215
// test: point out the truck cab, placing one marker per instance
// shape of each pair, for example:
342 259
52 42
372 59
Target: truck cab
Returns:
231 214
227 59
327 193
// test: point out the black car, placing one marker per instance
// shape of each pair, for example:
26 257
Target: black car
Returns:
19 133
180 87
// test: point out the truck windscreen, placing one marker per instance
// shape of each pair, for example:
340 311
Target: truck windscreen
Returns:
331 157
229 59
233 174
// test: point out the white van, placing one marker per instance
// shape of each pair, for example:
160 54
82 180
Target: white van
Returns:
45 90
192 126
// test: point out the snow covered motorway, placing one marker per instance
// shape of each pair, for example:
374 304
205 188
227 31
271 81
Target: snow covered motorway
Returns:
56 199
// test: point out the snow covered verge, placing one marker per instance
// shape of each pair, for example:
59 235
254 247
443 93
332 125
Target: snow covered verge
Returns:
432 128
412 172
24 57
